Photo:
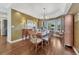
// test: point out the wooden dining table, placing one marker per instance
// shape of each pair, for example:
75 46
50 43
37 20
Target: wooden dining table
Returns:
35 37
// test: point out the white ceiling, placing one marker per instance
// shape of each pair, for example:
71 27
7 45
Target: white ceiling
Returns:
36 9
4 8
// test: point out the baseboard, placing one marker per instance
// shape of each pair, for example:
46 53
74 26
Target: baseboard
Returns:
75 50
15 41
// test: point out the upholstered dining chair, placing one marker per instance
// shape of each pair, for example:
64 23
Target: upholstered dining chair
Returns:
36 41
46 43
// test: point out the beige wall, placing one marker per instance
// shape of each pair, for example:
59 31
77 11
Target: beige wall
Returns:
74 8
17 22
76 32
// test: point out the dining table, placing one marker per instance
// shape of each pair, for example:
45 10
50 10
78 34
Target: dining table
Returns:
37 37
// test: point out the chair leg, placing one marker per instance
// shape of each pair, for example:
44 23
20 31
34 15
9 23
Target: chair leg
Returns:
42 44
36 48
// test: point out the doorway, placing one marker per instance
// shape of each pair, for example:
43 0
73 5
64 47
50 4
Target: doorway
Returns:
3 30
5 27
0 28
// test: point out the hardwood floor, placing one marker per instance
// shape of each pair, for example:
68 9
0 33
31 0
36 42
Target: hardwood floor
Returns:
57 48
25 47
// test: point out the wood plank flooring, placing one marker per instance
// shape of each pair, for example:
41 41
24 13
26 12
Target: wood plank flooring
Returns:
25 47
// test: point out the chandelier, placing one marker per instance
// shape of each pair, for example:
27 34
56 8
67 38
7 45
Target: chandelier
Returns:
44 14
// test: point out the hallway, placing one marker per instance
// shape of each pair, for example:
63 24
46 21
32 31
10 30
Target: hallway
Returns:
25 47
